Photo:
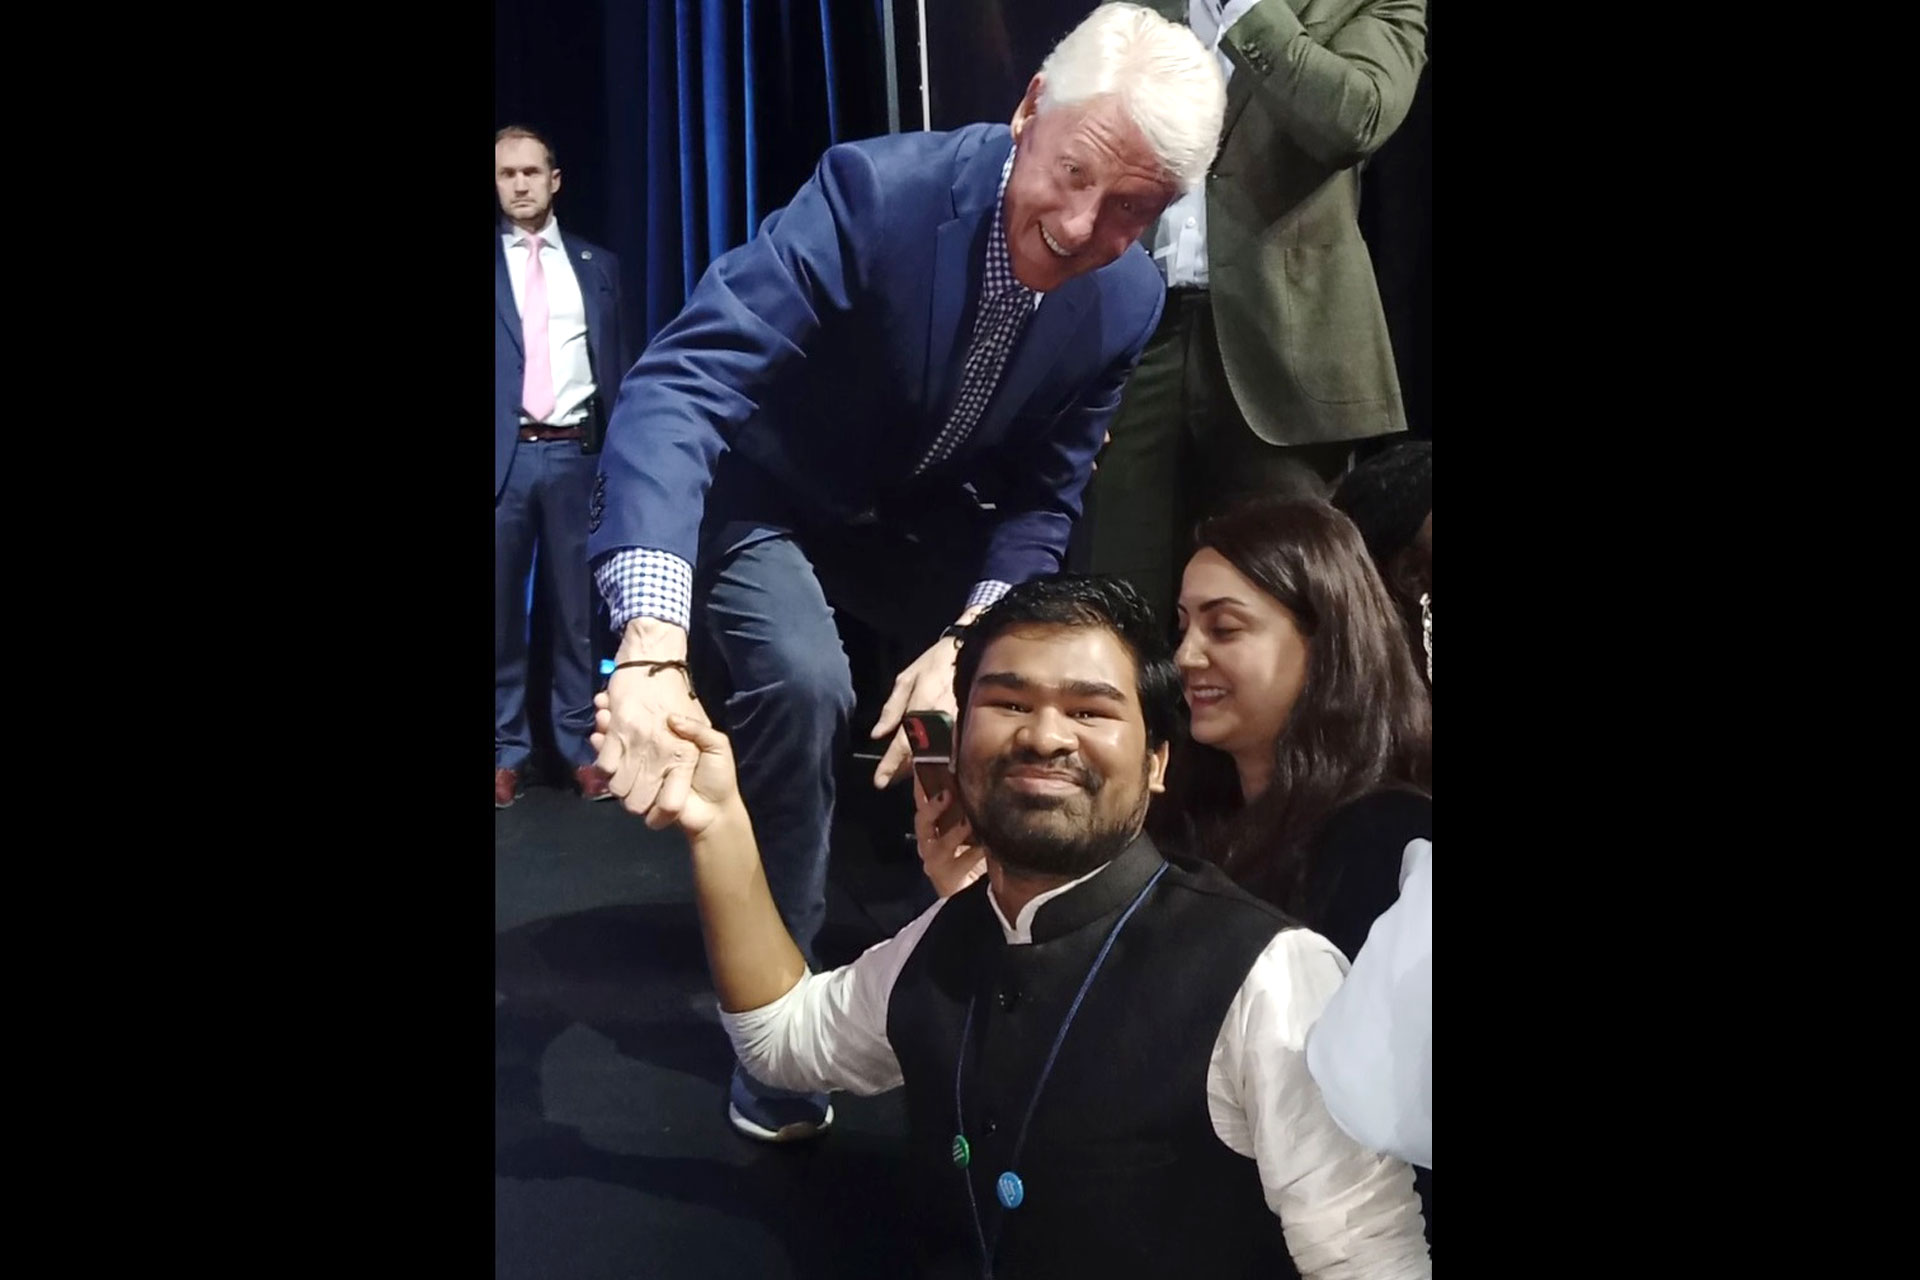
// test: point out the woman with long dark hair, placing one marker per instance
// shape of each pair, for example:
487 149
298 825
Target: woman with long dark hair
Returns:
1311 765
1310 768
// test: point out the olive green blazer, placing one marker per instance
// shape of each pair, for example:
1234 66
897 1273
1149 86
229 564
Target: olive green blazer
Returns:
1317 87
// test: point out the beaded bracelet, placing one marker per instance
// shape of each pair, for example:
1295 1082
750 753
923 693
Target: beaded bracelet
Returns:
655 667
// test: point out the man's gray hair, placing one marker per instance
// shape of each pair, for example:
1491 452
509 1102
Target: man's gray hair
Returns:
1169 83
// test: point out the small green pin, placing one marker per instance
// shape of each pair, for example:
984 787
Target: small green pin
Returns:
961 1152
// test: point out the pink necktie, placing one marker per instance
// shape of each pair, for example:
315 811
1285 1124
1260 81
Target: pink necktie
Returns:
536 394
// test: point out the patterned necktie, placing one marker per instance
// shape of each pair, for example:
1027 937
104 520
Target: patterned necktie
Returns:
536 394
1005 307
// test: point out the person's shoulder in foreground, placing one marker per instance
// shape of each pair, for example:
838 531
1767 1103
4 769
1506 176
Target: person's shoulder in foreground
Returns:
1371 1052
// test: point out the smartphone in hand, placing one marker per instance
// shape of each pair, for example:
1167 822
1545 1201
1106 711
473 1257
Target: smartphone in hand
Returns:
930 734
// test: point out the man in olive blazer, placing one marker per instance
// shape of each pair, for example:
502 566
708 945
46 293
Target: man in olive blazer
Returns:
1271 360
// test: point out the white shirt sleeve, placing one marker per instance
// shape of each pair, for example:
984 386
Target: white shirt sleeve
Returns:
830 1030
1372 1051
1348 1213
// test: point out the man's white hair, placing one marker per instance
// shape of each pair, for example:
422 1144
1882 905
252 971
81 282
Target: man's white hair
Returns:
1169 83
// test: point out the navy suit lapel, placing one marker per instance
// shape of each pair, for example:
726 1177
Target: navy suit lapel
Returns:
955 280
503 296
586 274
951 289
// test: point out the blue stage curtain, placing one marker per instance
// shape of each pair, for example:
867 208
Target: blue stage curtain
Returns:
716 111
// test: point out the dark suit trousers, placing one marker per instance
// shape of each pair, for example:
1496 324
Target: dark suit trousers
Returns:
1181 451
771 669
541 516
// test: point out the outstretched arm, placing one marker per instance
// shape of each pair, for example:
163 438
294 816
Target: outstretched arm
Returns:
749 951
791 1028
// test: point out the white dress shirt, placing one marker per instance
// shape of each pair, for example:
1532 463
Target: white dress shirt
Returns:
1372 1051
1348 1213
1179 239
566 319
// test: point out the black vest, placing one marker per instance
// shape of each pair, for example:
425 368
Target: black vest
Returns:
1124 1175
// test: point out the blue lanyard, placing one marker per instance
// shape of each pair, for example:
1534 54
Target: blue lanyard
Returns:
1010 1190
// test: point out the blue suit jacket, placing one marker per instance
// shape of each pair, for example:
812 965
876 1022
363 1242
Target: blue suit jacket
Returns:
828 351
599 275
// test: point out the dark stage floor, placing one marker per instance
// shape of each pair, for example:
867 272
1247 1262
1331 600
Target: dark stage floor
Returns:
613 1155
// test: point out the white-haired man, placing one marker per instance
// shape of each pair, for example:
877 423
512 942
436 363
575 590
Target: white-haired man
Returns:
886 404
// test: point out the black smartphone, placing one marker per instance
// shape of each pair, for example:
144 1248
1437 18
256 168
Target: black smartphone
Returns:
930 734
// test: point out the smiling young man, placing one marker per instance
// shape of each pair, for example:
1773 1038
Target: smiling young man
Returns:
1103 1053
884 406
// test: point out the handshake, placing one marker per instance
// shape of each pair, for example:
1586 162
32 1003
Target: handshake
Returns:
698 784
697 781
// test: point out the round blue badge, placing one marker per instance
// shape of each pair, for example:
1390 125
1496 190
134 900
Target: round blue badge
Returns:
1010 1189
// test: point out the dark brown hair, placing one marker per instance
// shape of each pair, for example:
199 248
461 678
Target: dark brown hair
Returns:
1075 601
521 131
1363 721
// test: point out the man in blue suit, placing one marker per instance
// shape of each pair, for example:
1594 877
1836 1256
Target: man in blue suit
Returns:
887 403
556 341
